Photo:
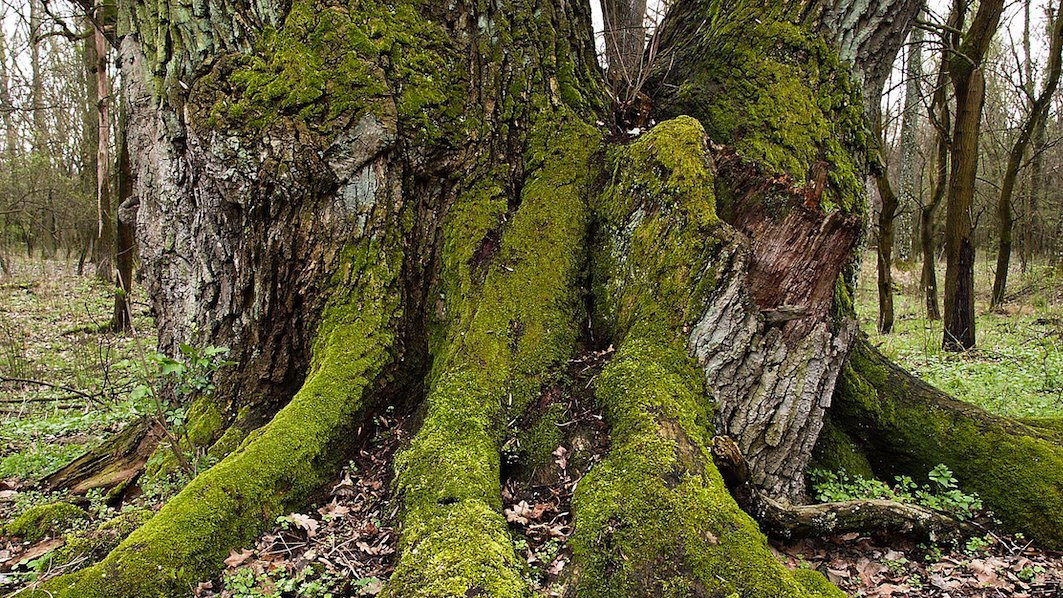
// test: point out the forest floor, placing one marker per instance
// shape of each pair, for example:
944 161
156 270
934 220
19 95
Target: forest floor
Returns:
344 545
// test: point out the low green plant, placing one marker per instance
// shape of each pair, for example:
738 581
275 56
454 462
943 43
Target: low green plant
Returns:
308 582
169 385
942 493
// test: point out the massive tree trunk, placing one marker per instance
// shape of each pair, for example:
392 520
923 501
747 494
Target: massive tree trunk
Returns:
412 205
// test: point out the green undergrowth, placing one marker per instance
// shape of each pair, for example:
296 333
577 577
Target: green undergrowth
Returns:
941 493
50 332
1016 369
907 428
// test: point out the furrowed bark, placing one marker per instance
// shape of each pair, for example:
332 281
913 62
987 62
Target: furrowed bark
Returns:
654 517
770 347
906 426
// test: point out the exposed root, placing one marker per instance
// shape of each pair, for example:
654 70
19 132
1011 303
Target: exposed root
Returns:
275 470
654 517
115 463
349 540
905 426
781 519
508 336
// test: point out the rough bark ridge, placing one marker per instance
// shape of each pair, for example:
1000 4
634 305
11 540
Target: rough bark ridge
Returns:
771 348
400 203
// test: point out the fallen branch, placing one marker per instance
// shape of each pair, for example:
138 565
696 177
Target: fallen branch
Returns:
94 397
781 519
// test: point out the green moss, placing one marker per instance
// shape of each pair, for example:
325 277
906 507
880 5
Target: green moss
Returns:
45 520
205 422
660 195
274 470
817 584
541 439
758 79
331 62
1051 424
835 451
511 321
84 548
908 427
654 518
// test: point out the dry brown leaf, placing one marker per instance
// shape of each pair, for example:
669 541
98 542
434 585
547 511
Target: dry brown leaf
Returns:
237 558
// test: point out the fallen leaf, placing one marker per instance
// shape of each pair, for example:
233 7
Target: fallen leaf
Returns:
305 522
238 558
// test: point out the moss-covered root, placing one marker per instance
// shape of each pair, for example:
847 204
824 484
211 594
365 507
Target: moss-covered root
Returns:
654 518
274 470
45 520
513 313
908 427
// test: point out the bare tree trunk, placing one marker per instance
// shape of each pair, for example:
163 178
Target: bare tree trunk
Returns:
942 121
968 81
1038 111
884 250
122 319
105 232
910 118
46 213
625 39
10 141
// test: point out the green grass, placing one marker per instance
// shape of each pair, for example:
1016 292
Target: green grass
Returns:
49 332
1017 367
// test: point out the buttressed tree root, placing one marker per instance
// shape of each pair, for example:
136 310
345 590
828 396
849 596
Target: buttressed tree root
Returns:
655 518
507 335
906 426
278 467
